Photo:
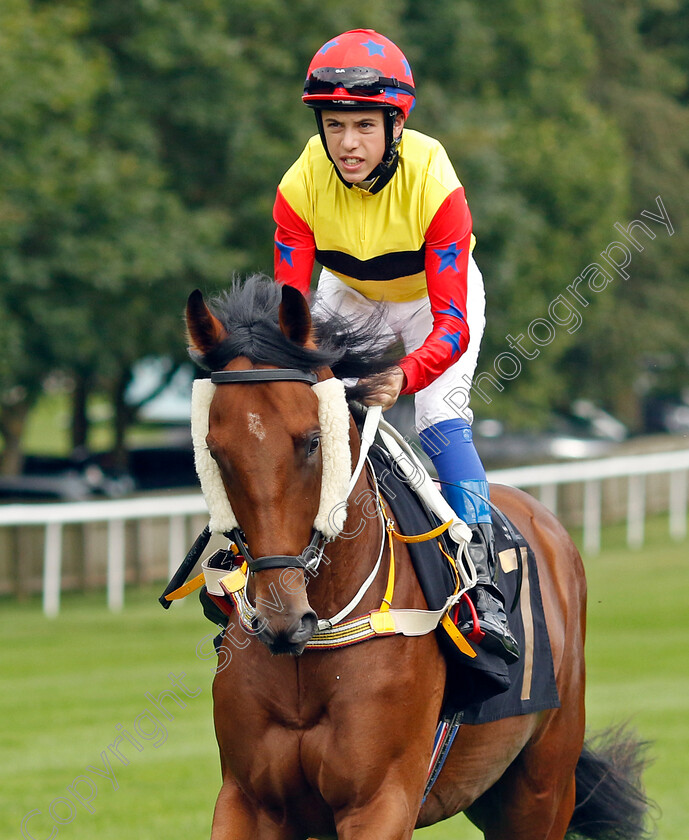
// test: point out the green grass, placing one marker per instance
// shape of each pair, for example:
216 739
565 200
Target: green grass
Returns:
69 683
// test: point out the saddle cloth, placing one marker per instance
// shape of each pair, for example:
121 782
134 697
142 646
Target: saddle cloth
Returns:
484 687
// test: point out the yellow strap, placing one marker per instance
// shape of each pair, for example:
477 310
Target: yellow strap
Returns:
390 589
457 637
197 582
234 580
436 532
382 623
189 586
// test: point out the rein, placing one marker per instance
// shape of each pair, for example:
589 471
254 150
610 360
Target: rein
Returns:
334 418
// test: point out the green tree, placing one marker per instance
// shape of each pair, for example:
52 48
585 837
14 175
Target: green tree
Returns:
100 251
505 86
141 142
48 84
641 80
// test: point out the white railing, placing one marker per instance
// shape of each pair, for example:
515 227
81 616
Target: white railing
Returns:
546 478
635 468
115 513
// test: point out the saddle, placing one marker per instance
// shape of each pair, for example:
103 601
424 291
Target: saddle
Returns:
481 685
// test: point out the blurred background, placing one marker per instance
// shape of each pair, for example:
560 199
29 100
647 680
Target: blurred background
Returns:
141 143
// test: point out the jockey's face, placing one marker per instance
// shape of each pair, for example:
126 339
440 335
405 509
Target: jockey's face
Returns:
356 141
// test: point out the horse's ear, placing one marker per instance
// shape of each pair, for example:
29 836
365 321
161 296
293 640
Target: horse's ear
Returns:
204 330
294 316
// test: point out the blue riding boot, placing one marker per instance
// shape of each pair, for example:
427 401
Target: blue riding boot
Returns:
450 446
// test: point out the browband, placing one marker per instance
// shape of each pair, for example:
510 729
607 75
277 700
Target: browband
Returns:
227 377
333 417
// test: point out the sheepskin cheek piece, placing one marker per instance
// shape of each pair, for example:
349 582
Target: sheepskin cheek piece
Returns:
333 417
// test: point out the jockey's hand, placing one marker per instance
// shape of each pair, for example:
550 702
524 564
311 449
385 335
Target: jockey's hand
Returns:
384 388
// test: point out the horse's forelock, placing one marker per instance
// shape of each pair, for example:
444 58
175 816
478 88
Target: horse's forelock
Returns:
249 312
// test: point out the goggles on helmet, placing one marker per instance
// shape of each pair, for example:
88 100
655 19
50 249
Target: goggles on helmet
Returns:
357 81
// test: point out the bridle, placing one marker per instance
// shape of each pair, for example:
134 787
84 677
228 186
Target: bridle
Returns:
310 557
334 418
229 377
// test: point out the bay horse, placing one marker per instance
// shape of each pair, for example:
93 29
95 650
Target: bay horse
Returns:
336 743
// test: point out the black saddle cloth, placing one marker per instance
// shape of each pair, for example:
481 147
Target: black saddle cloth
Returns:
484 687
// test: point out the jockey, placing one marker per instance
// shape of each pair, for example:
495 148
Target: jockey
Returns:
385 215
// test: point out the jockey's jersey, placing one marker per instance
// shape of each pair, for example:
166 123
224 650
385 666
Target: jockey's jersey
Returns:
407 242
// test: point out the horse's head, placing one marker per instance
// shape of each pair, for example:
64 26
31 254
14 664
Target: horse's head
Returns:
265 438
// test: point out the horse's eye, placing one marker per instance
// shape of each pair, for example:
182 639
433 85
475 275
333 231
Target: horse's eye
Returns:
314 443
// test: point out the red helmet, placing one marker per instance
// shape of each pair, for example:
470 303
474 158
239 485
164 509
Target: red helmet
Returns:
359 69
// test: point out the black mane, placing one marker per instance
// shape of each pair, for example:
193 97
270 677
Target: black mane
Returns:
249 314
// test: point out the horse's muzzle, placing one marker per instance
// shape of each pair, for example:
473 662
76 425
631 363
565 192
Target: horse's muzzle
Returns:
291 640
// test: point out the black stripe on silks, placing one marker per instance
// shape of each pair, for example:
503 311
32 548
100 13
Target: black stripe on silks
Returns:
385 267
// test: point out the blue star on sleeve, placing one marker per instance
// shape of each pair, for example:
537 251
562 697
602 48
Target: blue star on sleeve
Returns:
448 256
454 339
285 252
453 311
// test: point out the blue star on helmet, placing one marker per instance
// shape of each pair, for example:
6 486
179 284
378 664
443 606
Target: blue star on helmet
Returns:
407 68
285 252
448 256
374 49
324 49
454 311
454 339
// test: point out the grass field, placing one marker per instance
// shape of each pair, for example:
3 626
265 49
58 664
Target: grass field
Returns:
73 685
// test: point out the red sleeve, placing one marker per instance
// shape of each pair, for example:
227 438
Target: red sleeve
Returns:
295 247
448 242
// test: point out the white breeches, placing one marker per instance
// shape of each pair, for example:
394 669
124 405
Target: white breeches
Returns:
447 398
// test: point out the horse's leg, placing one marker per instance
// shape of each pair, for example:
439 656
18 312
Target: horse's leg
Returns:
375 772
389 815
534 799
235 818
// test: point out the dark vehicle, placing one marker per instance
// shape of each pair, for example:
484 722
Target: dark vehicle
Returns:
50 479
74 479
165 466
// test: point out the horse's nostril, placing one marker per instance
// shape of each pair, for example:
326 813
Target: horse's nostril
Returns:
306 627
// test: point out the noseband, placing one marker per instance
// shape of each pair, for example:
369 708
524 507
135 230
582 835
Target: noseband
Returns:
311 555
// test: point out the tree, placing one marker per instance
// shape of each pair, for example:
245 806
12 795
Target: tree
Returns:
641 80
47 84
142 141
505 86
101 251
